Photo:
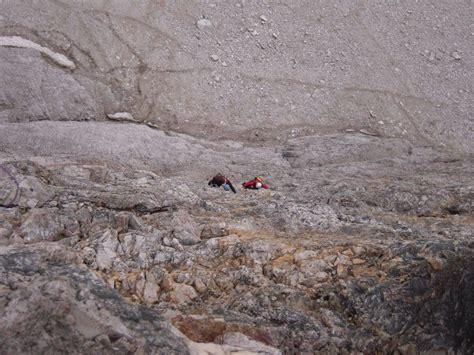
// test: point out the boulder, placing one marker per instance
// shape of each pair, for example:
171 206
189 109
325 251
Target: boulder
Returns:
182 293
185 230
214 230
106 250
41 225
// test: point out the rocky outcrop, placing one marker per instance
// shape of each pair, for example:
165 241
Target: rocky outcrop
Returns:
48 304
366 276
113 117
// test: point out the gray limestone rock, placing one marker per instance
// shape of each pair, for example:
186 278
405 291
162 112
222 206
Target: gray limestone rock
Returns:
252 346
106 251
185 229
41 225
113 117
214 230
33 90
183 293
63 306
281 87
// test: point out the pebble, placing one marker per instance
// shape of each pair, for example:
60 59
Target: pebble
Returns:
214 57
216 78
167 241
199 285
348 252
166 284
183 293
435 262
203 24
357 250
341 270
263 18
358 261
408 349
456 55
103 339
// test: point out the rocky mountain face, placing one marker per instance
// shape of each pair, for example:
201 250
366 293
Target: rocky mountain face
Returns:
114 115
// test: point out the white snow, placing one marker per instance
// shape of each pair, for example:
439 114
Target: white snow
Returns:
20 42
121 116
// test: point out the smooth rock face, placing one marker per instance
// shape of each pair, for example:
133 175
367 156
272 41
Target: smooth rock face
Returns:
115 115
34 90
283 70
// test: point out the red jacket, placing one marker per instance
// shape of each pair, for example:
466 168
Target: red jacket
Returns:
252 185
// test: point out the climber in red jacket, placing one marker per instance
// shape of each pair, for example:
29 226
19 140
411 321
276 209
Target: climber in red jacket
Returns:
255 184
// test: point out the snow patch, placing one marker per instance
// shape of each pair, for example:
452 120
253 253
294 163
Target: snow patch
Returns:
121 116
19 42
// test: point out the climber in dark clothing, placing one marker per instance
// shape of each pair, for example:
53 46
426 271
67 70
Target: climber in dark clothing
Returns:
220 180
